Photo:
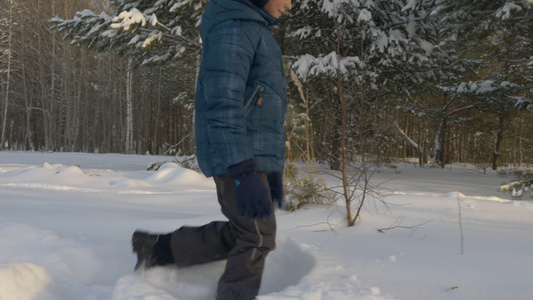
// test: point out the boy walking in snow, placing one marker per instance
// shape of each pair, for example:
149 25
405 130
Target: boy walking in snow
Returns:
240 109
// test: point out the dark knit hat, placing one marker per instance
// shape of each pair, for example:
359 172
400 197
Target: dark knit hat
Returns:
259 3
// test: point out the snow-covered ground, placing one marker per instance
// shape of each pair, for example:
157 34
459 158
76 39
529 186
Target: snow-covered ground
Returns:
66 220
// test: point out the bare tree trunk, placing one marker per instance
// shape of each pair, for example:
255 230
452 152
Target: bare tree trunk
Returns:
129 109
64 105
343 138
28 136
518 161
344 157
68 110
335 155
114 125
85 109
407 140
440 143
156 141
8 75
50 129
79 81
499 138
44 89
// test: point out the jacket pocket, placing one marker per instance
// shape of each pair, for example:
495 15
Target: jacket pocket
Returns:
253 100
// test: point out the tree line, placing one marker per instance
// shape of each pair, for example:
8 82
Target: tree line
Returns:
442 81
60 97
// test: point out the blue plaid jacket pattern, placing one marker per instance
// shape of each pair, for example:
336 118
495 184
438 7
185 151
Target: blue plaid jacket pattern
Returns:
241 93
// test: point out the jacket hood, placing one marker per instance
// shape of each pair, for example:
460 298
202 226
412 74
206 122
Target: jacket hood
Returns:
218 11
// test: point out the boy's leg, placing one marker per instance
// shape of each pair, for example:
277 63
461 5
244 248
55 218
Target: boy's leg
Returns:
254 240
192 245
198 245
242 242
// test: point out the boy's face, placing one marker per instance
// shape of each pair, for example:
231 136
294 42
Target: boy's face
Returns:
276 8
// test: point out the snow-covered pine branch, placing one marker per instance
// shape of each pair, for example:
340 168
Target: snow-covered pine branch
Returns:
523 103
149 32
381 42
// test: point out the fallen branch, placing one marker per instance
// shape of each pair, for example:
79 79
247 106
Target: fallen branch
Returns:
412 228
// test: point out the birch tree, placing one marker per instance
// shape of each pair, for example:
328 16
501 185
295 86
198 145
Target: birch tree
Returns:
7 80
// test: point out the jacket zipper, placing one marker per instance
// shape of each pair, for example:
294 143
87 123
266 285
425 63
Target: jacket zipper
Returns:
259 90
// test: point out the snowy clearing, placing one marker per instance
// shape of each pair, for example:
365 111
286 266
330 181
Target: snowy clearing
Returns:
66 220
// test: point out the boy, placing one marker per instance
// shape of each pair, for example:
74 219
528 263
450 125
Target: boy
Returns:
240 109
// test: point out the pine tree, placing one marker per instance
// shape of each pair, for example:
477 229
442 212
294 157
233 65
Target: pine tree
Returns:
149 32
367 54
385 50
499 35
521 186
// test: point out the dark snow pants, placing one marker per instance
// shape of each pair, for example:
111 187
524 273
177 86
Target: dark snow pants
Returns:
244 243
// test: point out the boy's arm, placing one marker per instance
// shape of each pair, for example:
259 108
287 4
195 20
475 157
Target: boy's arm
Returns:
226 66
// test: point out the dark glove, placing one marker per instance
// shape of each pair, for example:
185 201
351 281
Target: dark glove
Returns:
275 181
251 194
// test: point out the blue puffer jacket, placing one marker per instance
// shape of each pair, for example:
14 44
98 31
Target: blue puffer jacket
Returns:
241 94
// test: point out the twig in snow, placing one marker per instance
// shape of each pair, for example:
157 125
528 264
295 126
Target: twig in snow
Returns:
399 221
331 226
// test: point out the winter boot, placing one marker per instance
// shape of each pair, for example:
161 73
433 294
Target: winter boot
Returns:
151 249
143 245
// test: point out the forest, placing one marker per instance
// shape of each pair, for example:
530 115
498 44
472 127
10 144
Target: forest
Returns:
440 81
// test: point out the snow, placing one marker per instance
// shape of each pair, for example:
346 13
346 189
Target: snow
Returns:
426 46
411 4
307 65
381 42
364 16
152 38
66 220
505 12
484 87
21 280
411 28
128 19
